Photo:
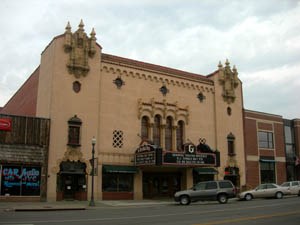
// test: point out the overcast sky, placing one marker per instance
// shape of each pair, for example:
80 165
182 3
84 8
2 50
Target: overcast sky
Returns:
262 38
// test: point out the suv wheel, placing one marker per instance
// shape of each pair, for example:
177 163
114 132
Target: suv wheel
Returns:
185 200
278 195
222 198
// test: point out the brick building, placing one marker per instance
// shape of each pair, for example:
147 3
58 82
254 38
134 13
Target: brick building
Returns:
271 148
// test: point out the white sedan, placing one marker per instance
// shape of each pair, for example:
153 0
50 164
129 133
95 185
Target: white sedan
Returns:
292 186
268 190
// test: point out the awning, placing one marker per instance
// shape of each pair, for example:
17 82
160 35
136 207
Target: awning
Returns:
200 170
119 169
267 160
77 172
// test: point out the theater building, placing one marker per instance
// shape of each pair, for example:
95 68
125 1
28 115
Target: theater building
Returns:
157 129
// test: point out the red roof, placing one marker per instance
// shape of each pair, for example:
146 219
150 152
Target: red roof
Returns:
148 66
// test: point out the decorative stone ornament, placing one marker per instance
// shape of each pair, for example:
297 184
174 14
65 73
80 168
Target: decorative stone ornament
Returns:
119 82
80 47
164 90
229 80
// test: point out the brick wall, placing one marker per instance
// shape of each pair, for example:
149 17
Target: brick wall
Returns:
254 122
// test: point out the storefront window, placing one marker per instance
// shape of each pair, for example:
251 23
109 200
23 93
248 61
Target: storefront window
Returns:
267 172
117 182
20 180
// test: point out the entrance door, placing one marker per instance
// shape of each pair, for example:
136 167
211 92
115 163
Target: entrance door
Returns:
160 185
71 181
73 186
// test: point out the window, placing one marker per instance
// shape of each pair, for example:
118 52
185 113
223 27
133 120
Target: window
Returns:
117 182
145 128
230 144
211 185
265 140
168 134
267 172
20 180
118 139
74 131
179 136
225 184
200 186
288 133
156 130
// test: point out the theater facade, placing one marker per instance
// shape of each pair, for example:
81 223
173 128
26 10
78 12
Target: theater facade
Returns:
157 129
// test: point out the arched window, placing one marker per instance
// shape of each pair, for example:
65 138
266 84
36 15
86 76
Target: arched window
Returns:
230 143
179 135
144 128
74 124
156 130
168 134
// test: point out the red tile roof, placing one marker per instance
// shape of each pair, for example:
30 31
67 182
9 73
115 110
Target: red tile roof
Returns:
148 66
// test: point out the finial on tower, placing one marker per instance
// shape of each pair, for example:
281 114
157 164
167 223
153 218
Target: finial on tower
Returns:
227 63
220 65
93 33
81 25
68 27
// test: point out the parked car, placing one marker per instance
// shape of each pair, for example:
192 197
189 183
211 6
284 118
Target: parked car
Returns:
268 190
207 191
292 186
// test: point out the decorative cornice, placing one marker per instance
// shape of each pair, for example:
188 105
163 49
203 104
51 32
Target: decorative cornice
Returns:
146 75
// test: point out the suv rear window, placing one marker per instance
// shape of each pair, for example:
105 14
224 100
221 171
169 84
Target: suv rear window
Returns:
211 185
225 184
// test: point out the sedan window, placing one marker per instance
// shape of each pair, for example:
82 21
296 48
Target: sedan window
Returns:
261 187
270 186
286 184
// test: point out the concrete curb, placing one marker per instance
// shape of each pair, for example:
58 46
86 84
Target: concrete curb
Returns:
47 209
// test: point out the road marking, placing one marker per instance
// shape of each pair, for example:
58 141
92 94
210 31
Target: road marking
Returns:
250 218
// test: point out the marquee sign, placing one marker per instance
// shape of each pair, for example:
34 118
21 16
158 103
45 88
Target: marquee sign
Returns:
150 155
185 159
5 124
145 155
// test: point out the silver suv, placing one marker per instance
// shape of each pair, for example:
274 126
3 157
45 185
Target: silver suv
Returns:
220 190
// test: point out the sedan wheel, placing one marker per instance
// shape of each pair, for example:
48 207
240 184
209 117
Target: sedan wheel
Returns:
184 200
248 197
279 195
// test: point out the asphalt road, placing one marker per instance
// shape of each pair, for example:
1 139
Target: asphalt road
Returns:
266 211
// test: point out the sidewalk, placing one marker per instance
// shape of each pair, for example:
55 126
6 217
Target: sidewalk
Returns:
75 205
